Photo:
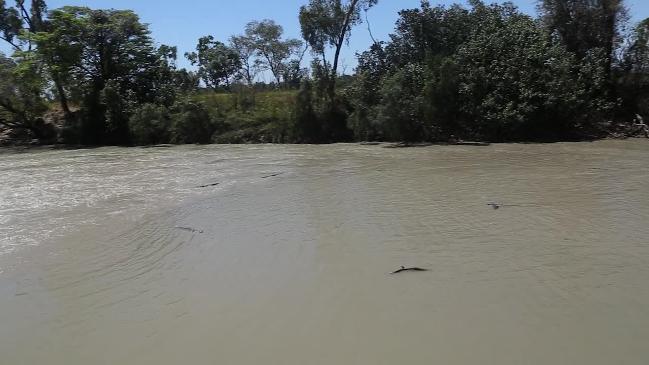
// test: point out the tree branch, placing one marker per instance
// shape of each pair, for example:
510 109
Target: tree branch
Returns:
306 48
343 33
369 28
11 43
25 15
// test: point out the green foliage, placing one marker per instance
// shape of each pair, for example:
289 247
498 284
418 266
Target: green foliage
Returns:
583 26
20 19
633 78
489 72
308 128
193 123
251 66
365 93
151 124
185 82
328 23
266 38
21 101
429 32
10 23
442 101
484 72
105 62
117 108
514 83
401 103
217 63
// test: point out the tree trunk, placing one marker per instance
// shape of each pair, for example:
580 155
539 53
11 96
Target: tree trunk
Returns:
339 45
63 99
334 69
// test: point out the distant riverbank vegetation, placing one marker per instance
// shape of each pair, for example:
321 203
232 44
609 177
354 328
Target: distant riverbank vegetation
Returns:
485 72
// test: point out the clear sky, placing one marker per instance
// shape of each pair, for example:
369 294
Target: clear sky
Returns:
181 23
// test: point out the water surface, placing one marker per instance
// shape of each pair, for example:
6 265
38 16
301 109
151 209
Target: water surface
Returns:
118 256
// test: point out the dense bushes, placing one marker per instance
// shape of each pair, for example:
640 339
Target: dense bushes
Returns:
483 72
307 127
514 84
192 123
488 72
400 107
150 125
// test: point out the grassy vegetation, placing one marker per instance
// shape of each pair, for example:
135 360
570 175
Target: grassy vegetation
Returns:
250 116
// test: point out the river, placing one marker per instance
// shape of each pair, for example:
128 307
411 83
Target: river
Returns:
282 255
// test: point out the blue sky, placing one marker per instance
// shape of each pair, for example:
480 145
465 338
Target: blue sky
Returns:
181 23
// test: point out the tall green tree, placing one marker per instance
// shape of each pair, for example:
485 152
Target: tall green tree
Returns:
515 83
366 92
251 65
217 63
636 56
329 23
274 51
587 26
19 19
305 119
429 32
634 78
93 50
11 24
18 25
21 101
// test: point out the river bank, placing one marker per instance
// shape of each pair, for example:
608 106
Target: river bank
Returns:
35 145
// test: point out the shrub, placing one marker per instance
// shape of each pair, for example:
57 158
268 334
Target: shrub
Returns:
400 110
192 123
150 124
516 84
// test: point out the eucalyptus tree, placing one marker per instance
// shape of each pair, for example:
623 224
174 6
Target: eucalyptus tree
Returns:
274 51
328 24
251 65
217 63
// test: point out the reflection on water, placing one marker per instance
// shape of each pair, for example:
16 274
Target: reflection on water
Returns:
135 256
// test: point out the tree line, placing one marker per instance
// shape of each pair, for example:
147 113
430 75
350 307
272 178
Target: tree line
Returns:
483 72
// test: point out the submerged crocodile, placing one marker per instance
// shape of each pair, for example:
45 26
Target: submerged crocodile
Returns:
190 229
403 268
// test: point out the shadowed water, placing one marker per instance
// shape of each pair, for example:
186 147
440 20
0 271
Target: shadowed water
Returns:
282 255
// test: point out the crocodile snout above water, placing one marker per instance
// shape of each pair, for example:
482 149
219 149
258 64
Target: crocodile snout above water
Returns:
403 268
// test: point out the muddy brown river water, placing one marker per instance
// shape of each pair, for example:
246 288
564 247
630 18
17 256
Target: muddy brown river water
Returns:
117 256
